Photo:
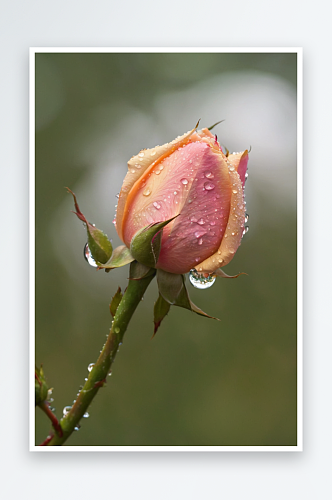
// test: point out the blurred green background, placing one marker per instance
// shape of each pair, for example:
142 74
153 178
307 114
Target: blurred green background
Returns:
199 381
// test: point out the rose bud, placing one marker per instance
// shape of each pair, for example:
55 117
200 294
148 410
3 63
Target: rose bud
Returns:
192 184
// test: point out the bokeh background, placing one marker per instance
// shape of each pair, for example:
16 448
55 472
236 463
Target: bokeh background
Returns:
198 382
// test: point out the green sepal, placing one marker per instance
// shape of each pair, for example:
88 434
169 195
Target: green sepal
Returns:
138 271
169 285
183 300
221 274
100 246
146 244
41 387
161 309
115 301
121 257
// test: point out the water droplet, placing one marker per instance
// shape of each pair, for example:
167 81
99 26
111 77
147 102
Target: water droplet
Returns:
88 257
200 241
231 168
246 218
66 410
209 175
141 154
157 172
246 175
117 330
91 365
147 192
175 192
156 205
200 222
153 153
117 195
77 428
193 219
200 281
245 230
184 181
208 186
198 234
234 191
86 415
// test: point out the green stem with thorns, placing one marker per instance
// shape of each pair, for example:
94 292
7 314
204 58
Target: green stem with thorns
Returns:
97 376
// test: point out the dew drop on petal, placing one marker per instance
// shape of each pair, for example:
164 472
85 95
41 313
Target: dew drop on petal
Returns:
147 192
184 181
245 230
208 186
156 205
209 175
193 219
88 256
199 280
234 191
200 241
198 234
200 222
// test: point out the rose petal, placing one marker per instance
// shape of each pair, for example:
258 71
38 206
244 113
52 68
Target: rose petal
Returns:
240 163
137 166
193 182
233 234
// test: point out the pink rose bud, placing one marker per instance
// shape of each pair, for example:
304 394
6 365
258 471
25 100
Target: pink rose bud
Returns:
192 180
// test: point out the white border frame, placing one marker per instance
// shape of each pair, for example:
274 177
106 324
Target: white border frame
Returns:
299 52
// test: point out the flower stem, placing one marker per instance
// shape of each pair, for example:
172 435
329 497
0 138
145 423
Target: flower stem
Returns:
46 409
98 374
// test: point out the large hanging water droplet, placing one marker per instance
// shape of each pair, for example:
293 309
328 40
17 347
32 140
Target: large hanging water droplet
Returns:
199 280
208 186
88 256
